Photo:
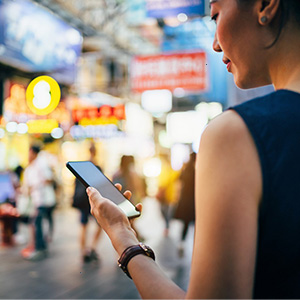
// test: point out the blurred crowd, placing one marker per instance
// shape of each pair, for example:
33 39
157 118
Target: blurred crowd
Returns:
30 195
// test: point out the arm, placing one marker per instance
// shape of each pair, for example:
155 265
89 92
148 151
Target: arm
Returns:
144 271
228 190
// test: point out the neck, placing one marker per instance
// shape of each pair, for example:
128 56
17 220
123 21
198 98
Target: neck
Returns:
285 65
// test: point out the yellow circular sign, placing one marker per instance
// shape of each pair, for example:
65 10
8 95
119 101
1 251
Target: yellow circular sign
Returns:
43 95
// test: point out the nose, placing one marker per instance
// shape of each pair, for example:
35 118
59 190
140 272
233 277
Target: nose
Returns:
216 45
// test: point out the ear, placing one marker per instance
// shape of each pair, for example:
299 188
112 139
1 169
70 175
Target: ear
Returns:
267 10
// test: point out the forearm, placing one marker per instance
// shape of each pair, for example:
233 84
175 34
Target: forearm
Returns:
150 280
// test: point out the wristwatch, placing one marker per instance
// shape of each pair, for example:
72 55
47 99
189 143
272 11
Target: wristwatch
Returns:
132 251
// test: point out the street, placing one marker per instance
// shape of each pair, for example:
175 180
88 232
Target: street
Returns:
62 275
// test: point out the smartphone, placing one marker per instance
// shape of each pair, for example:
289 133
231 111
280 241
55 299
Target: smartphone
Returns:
90 175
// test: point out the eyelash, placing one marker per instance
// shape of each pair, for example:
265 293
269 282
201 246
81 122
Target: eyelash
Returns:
214 17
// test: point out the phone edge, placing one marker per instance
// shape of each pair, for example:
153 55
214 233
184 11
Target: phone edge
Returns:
76 174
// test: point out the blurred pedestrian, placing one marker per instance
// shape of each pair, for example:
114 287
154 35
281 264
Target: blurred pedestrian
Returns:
38 184
129 178
16 182
25 210
168 190
185 210
48 161
81 202
50 154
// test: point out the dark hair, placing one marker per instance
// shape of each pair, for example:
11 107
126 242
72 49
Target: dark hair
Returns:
35 148
48 139
288 10
18 171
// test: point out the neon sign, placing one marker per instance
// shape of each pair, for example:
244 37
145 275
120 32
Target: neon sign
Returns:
104 112
43 95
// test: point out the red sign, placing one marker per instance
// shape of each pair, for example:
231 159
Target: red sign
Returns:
180 70
105 111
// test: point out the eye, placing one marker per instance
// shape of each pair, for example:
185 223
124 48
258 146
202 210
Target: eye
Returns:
214 17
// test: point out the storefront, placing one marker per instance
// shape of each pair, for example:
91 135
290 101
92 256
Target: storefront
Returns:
85 114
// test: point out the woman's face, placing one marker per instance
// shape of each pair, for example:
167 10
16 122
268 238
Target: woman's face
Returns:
240 38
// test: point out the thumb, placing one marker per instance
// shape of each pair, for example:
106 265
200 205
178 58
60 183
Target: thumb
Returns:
92 193
89 190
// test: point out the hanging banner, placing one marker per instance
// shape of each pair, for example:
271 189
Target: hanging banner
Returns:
169 8
181 70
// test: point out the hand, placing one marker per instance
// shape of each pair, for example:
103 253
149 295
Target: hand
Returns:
112 219
7 210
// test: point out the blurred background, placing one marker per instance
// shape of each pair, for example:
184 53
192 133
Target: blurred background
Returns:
138 79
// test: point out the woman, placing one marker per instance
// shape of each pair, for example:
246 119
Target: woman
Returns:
247 197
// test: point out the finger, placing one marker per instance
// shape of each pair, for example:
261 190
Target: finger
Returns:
89 190
93 193
139 207
118 186
127 194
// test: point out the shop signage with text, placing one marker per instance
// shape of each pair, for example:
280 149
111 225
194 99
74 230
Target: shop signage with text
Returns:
170 71
104 112
98 131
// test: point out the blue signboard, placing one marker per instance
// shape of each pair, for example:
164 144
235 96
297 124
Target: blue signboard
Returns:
190 35
167 8
34 40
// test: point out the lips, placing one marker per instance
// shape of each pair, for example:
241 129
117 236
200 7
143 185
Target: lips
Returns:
227 62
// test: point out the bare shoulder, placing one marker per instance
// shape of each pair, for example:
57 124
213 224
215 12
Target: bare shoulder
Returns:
228 147
228 126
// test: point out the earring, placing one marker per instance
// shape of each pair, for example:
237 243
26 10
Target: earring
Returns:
264 19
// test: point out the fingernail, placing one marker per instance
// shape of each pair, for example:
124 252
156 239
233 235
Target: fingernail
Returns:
88 189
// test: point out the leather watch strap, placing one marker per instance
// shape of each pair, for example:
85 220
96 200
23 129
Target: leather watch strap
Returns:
132 251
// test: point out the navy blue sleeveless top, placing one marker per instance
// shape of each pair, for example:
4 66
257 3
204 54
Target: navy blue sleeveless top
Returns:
274 123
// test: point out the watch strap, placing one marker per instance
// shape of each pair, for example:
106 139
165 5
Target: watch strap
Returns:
132 251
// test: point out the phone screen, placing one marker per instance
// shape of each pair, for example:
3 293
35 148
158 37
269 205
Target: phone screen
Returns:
90 175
